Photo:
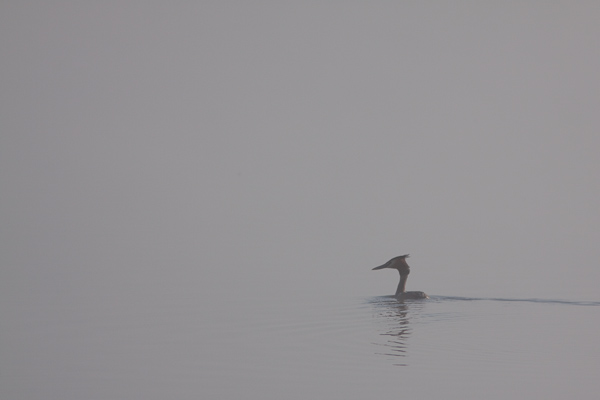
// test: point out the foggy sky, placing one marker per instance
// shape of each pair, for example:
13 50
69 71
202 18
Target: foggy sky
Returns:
151 149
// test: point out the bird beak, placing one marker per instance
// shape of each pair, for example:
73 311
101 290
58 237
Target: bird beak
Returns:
380 267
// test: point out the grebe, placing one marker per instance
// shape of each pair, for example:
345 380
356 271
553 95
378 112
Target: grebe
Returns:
400 264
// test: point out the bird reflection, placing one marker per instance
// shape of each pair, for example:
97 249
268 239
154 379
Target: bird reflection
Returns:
394 315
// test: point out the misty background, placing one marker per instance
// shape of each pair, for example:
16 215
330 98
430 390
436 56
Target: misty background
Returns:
234 150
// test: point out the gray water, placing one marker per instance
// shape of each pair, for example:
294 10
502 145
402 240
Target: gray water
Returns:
300 346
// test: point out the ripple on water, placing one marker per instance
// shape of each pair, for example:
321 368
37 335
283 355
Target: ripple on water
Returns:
449 337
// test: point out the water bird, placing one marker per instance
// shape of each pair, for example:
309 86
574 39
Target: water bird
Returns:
401 265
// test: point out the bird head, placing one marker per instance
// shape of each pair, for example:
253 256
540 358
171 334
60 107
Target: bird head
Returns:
398 263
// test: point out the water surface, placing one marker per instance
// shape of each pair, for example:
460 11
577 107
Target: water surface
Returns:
301 346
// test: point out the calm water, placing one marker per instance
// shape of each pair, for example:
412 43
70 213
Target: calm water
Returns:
301 346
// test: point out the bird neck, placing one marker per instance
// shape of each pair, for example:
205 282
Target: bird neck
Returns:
402 284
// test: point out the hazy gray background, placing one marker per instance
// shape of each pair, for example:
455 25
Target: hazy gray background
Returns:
160 149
